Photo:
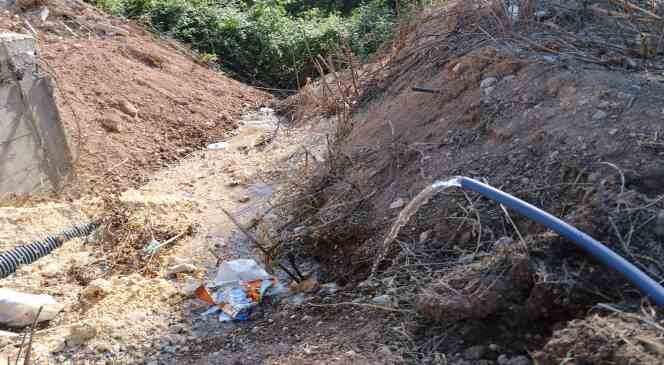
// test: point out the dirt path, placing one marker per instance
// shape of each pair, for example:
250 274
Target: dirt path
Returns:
154 320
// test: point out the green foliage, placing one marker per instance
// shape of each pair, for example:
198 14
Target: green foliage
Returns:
371 26
262 40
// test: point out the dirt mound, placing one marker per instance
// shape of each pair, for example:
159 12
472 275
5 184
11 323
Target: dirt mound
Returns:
130 101
536 99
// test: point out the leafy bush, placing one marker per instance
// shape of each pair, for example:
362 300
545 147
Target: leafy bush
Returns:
371 26
261 40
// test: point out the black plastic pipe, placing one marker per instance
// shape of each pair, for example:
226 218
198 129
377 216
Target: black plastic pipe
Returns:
27 254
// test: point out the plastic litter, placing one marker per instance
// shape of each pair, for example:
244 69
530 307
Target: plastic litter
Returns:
239 287
217 146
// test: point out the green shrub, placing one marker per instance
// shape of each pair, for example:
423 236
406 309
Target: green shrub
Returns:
262 40
371 25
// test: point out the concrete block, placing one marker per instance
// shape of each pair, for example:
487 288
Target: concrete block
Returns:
33 147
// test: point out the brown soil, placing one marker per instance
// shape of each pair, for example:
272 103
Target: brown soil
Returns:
130 102
577 138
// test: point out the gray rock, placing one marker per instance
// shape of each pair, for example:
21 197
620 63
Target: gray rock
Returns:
296 299
475 352
630 63
488 82
503 359
659 224
604 105
459 68
81 333
466 259
519 360
543 15
128 108
399 203
110 29
328 289
180 268
600 114
384 300
424 236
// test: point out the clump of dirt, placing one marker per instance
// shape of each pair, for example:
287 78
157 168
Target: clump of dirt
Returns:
619 338
531 99
131 101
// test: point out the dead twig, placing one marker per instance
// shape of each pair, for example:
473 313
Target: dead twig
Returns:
259 245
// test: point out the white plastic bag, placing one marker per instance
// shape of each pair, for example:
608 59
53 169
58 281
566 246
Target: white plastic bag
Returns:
231 272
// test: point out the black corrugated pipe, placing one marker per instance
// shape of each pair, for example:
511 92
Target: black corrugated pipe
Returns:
27 254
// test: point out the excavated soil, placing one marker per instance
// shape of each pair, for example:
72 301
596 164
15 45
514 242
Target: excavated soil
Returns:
563 126
131 102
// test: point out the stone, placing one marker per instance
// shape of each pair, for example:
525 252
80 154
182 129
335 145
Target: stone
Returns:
425 236
659 224
26 4
487 91
459 68
519 360
110 29
466 259
302 231
383 300
630 63
613 131
7 338
543 15
488 82
180 328
328 289
503 359
20 309
110 124
604 105
52 269
600 114
180 268
475 352
244 199
296 299
97 290
128 108
81 333
103 347
58 345
399 203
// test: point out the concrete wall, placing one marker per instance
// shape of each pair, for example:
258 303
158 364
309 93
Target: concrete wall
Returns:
34 156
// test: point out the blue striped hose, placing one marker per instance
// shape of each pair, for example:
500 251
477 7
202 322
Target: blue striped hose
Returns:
27 254
648 286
